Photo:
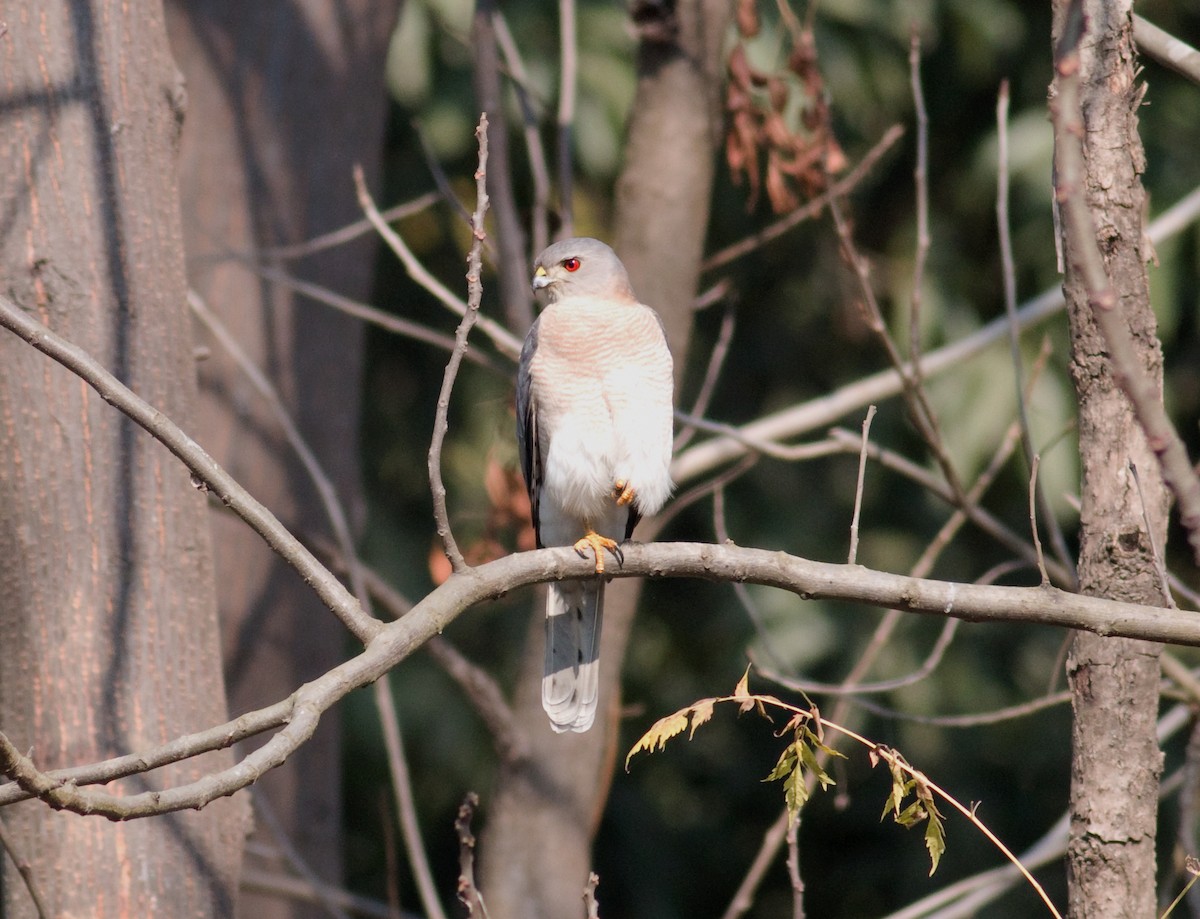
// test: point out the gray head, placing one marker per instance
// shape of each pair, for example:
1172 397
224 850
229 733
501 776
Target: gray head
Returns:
581 267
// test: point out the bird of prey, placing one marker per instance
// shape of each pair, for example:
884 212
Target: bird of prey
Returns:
594 428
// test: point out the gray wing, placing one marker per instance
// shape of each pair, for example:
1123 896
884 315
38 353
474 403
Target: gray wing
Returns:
528 443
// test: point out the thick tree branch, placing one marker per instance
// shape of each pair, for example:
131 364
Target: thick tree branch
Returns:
808 579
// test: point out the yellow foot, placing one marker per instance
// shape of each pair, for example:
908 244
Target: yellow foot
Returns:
597 544
623 492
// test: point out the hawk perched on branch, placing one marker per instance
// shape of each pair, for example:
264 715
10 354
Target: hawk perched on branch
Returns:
594 427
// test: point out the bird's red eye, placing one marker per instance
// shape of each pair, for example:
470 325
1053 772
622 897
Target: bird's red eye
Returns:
571 264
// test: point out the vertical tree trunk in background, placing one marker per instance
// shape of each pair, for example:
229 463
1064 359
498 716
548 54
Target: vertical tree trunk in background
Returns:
284 97
108 616
536 847
1115 757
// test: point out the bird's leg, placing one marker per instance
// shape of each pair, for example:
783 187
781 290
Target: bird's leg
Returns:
597 544
623 492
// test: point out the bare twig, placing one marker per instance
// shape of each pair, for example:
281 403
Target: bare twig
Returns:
505 342
406 805
916 399
1033 527
847 688
302 891
858 489
921 183
590 903
330 502
330 240
1009 277
1142 392
536 151
715 362
793 869
475 297
1166 49
440 179
513 260
468 893
1160 564
809 210
384 320
978 719
295 861
721 531
743 898
568 68
25 870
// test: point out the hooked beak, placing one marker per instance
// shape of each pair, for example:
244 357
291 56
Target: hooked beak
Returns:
541 279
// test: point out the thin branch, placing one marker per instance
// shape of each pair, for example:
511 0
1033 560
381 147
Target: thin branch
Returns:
793 869
1009 277
568 68
590 904
1141 390
384 320
327 494
985 520
1033 527
534 149
504 341
294 859
474 298
468 893
721 531
330 240
743 898
921 188
975 720
716 362
848 688
808 211
302 891
1166 49
440 179
406 805
206 471
858 489
916 398
513 259
25 870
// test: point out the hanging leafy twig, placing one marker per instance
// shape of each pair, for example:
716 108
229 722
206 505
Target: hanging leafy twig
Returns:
913 797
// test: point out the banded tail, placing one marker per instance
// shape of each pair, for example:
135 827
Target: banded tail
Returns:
571 681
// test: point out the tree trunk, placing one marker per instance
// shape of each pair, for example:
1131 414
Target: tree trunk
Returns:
536 848
1115 758
109 625
284 98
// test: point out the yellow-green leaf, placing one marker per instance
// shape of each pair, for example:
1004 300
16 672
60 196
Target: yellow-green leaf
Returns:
660 732
701 712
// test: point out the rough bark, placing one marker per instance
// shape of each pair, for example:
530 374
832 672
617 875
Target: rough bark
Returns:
110 640
536 848
1115 758
284 98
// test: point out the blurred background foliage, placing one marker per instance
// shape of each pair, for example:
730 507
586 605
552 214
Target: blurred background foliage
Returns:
682 826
